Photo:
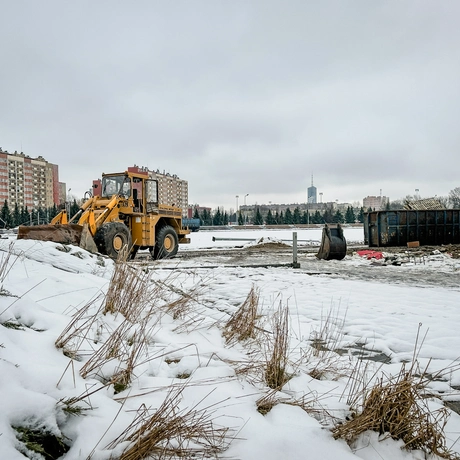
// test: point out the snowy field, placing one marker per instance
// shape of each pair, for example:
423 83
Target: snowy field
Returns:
58 353
231 238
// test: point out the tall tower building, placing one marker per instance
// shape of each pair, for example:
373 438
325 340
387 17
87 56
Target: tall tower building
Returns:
311 192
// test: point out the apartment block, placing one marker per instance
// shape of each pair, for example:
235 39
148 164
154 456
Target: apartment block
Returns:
171 189
376 203
29 182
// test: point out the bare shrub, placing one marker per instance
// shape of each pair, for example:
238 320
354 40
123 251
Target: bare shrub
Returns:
397 407
242 324
171 432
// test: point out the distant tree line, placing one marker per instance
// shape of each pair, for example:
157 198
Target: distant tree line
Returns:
288 217
13 217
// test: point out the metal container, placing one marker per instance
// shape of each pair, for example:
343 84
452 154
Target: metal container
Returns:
397 228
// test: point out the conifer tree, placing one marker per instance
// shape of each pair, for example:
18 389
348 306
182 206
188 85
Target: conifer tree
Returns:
53 212
288 217
338 218
258 220
217 218
350 215
281 218
305 218
73 209
5 215
240 218
296 217
269 220
25 216
328 216
317 218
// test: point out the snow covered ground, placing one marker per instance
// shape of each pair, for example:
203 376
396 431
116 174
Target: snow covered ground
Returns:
52 294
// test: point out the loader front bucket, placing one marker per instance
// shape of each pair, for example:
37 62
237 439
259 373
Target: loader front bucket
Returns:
58 233
333 244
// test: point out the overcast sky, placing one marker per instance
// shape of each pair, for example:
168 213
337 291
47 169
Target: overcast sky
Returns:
238 97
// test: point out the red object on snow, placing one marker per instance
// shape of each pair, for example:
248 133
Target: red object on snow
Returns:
369 254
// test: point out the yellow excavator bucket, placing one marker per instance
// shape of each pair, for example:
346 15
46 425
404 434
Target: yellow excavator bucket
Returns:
78 235
333 244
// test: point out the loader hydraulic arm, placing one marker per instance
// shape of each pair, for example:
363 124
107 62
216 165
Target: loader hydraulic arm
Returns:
63 218
93 220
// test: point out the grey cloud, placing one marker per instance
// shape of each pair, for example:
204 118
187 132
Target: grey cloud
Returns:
236 96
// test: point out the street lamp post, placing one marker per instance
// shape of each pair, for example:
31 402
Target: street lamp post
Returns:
236 212
245 210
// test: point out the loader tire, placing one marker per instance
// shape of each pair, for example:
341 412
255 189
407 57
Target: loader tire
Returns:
111 238
166 243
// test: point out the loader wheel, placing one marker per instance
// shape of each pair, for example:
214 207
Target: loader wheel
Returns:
166 243
112 237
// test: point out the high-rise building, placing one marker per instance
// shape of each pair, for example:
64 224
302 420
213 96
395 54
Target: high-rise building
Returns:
28 182
171 189
311 193
376 203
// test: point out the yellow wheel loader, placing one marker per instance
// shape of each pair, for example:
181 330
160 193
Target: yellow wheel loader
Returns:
125 212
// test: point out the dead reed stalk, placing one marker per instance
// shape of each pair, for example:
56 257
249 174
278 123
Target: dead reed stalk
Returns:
322 357
267 402
77 331
5 264
277 359
128 292
242 324
171 432
397 408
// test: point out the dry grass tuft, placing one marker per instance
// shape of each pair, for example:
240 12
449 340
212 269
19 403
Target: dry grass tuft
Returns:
6 264
128 292
267 402
397 407
171 432
242 325
78 330
324 361
276 372
177 302
123 351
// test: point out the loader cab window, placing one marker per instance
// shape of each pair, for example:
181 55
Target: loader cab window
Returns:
151 192
138 199
116 185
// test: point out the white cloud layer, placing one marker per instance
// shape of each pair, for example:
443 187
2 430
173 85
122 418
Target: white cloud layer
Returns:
238 97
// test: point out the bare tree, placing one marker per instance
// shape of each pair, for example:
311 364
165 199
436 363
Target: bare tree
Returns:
454 197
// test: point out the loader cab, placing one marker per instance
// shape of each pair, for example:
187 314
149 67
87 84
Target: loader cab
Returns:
116 185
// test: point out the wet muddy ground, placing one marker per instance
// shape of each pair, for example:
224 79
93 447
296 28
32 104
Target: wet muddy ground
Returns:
426 266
